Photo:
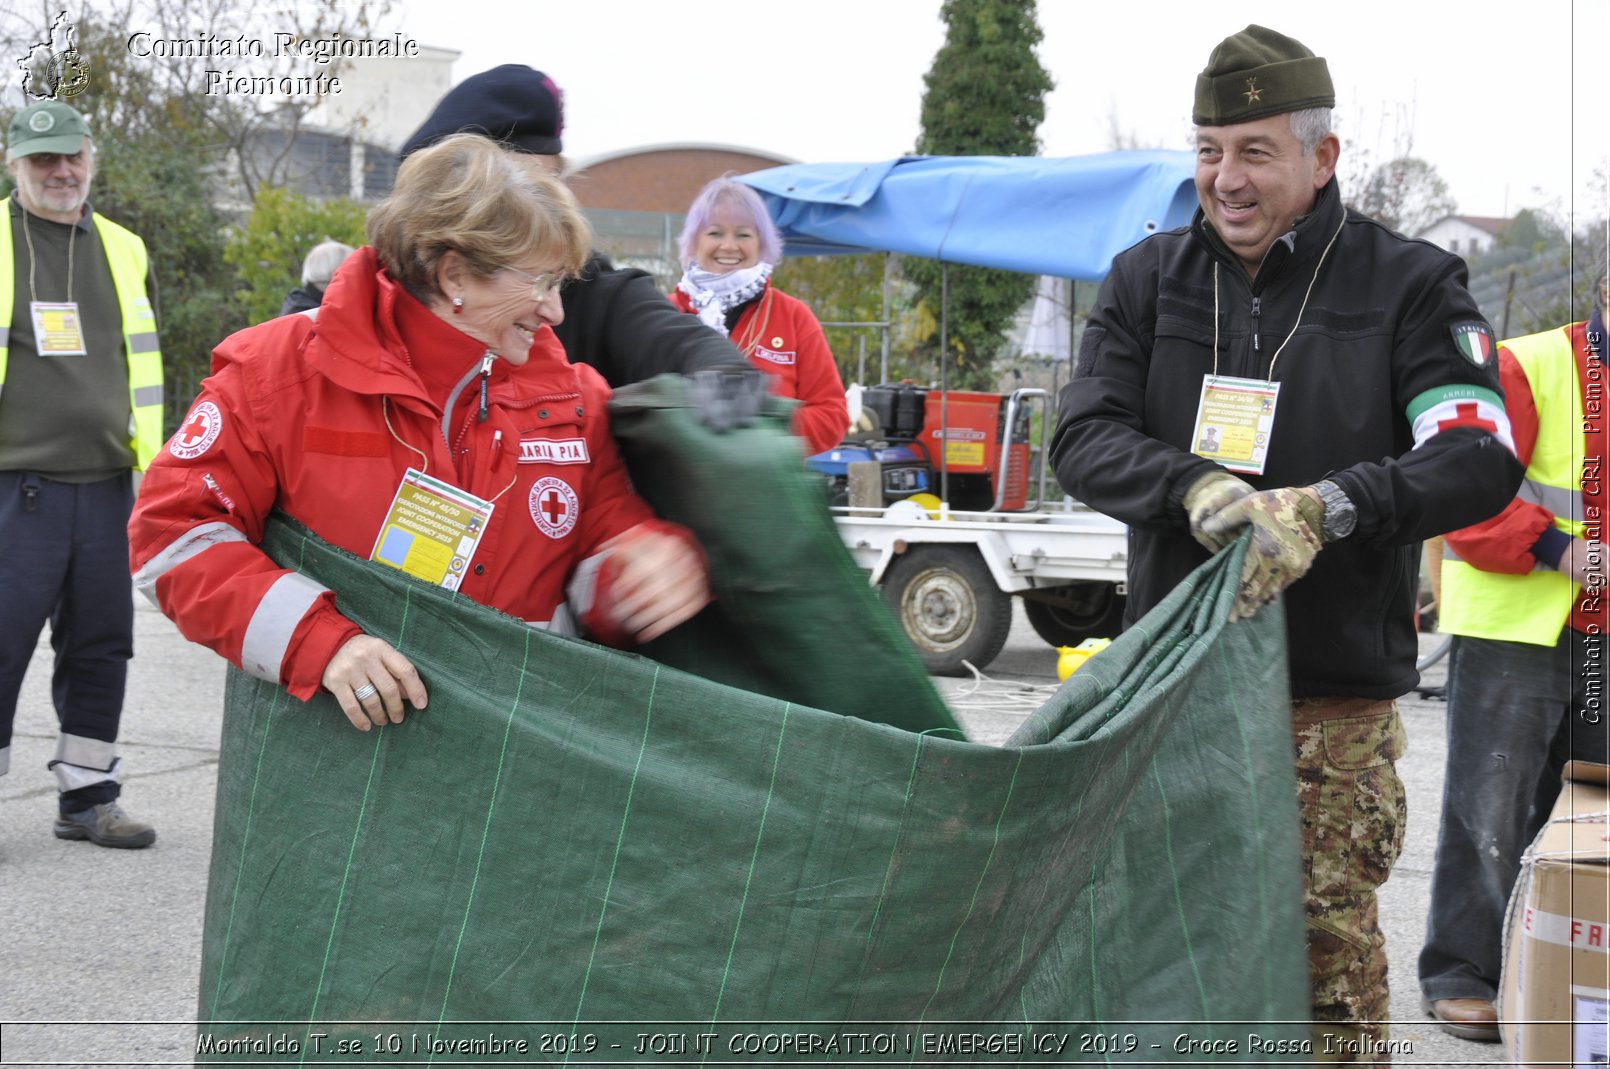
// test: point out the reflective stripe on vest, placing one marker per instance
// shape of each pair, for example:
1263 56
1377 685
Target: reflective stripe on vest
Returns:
126 256
1534 607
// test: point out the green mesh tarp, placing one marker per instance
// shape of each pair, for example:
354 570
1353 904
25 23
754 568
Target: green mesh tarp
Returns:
793 616
581 856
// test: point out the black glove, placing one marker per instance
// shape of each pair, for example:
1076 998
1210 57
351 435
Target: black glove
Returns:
728 397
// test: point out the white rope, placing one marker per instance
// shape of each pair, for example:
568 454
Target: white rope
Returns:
1001 695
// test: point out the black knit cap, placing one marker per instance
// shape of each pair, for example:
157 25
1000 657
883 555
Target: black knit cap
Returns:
512 104
1259 72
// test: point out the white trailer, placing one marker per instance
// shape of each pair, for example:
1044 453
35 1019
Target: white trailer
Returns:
950 577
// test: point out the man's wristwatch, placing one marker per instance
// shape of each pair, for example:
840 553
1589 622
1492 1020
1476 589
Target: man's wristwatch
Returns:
1340 515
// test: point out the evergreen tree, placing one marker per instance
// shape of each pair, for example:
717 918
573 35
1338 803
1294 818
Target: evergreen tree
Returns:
985 96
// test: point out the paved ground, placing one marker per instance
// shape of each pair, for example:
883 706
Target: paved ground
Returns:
112 938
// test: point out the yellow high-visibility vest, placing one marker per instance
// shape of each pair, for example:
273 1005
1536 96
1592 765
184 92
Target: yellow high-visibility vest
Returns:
1533 607
126 255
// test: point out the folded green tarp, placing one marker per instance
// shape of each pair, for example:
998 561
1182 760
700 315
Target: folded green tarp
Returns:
793 616
583 856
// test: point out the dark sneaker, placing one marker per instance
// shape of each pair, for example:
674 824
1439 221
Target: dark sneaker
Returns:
106 825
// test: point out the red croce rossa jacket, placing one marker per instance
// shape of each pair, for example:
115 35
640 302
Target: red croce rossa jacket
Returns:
320 418
780 336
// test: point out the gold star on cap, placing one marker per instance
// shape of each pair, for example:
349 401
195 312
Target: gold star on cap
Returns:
1253 94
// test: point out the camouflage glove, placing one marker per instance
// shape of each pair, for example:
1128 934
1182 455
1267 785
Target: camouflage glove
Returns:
1286 534
728 397
1208 496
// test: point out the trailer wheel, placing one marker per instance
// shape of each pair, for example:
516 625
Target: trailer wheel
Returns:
1067 615
949 605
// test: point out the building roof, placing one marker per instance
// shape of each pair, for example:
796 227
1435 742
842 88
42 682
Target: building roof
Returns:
679 146
1491 224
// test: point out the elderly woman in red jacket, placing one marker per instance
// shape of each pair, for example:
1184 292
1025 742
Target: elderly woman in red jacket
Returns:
426 419
730 246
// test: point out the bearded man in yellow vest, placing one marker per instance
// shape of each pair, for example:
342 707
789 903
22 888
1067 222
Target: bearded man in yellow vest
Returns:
1524 595
80 412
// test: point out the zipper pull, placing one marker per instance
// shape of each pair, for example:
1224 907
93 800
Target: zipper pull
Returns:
217 491
486 374
1257 303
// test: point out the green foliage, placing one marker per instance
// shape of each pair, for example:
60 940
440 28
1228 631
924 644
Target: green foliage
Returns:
985 95
977 305
267 252
849 289
184 234
1530 231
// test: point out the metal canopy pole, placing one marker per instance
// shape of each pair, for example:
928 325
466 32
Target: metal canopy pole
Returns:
888 268
944 390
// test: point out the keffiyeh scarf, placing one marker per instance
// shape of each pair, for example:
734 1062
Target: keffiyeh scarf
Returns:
713 295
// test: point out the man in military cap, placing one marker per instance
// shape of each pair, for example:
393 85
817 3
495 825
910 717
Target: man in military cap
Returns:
80 411
1354 384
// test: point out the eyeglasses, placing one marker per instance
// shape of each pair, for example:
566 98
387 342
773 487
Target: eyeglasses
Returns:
541 285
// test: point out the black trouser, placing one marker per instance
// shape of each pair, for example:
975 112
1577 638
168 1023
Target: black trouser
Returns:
64 557
1516 713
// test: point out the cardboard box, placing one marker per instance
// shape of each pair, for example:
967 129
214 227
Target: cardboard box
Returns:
1555 1003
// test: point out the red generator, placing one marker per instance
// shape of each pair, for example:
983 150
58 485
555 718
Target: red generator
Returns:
964 438
972 429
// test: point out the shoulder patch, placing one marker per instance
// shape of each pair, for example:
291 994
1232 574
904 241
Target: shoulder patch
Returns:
1474 340
199 430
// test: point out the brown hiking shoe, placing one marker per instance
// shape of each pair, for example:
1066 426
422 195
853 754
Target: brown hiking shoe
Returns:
1467 1018
106 825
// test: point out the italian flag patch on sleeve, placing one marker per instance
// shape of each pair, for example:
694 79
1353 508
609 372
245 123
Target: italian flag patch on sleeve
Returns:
1474 340
1459 405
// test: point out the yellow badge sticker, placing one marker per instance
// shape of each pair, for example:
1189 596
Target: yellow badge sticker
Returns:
57 329
1234 420
432 530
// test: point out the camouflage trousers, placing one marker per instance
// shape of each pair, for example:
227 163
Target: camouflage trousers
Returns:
1353 810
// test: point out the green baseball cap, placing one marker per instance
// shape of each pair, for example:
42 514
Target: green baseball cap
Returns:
1259 72
48 126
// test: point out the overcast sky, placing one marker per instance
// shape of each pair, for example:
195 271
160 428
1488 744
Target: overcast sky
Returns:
1500 97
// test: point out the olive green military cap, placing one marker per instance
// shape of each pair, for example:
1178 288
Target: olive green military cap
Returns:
1259 72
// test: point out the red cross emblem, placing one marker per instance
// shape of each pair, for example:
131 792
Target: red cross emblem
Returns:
1467 414
194 430
200 430
554 506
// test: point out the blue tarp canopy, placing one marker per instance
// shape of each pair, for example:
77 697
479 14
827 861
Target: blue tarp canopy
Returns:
1067 217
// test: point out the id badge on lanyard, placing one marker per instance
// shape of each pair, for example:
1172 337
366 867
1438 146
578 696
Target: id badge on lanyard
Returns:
58 331
1234 421
432 530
